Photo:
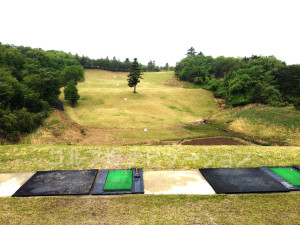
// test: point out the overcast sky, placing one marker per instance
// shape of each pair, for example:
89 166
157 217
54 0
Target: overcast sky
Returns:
160 30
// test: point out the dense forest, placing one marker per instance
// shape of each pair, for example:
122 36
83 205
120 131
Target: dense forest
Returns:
30 82
240 81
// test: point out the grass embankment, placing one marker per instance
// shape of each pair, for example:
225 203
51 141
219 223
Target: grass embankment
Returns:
27 158
262 123
139 209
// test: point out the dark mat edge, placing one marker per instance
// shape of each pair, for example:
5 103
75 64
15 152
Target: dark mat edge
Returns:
234 192
38 172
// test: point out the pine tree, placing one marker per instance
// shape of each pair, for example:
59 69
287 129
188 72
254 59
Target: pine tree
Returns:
71 93
191 51
135 75
167 66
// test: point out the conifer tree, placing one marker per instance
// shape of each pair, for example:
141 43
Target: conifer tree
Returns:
191 51
135 75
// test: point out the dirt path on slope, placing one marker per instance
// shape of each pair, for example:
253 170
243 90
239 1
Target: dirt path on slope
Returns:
212 141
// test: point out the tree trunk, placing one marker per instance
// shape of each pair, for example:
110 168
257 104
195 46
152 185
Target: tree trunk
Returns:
134 90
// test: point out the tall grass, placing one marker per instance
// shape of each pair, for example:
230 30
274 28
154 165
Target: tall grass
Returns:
271 124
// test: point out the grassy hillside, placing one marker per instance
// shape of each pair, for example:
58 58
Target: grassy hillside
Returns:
60 129
162 105
268 124
103 117
102 102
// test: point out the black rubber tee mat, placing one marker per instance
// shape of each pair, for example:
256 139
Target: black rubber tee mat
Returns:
63 182
137 184
241 180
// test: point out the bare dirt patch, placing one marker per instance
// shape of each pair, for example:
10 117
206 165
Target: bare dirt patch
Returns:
212 141
204 121
173 82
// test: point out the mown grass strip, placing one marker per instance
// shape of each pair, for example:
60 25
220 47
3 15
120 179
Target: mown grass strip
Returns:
26 158
139 209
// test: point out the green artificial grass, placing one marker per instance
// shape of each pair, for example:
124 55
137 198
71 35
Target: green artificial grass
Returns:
118 180
290 175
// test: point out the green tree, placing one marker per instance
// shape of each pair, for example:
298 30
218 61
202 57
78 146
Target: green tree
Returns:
198 66
71 93
135 75
74 72
191 51
289 83
151 67
8 125
30 81
167 66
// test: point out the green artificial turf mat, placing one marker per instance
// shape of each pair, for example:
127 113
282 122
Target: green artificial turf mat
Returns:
290 175
118 180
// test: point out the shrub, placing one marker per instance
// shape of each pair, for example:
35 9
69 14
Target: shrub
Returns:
25 120
71 93
198 80
8 125
266 94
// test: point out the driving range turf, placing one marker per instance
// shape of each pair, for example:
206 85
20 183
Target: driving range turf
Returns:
157 107
139 209
103 104
103 117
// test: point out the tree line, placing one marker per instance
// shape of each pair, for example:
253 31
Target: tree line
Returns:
117 65
30 82
240 81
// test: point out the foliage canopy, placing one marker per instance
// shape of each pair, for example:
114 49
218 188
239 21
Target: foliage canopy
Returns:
71 92
241 81
30 81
